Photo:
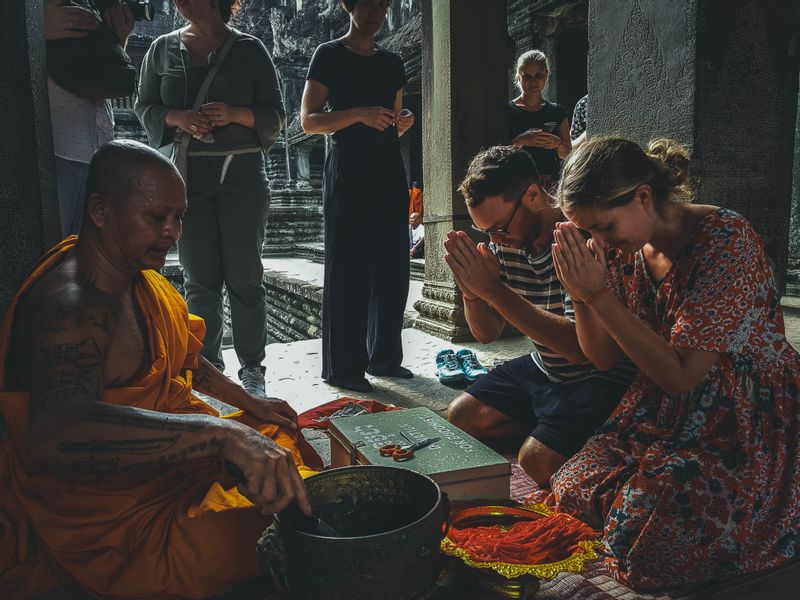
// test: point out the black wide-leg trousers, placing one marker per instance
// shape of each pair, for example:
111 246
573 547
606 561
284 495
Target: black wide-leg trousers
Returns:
366 260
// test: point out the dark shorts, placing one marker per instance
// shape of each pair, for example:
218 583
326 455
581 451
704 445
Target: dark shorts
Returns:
562 416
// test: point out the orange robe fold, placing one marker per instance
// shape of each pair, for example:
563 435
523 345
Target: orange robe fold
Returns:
415 202
181 531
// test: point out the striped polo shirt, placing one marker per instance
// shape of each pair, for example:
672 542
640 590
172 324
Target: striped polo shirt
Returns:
535 279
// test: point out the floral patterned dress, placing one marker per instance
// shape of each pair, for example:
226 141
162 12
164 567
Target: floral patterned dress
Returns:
703 485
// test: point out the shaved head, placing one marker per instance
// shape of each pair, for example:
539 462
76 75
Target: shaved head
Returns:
118 168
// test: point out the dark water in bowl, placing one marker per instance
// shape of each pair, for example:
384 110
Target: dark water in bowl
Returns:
358 517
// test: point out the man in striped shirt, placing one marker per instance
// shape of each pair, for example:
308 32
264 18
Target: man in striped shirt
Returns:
554 396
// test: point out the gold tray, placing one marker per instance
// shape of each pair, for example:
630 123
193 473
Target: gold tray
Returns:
504 516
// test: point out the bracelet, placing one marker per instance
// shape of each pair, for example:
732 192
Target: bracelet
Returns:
574 301
588 301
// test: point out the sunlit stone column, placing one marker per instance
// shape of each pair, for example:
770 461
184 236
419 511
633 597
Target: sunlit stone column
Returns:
464 54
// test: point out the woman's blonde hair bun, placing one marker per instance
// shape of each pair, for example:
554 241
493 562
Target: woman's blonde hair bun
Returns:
673 161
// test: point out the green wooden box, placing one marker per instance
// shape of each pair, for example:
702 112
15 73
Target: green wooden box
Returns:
462 466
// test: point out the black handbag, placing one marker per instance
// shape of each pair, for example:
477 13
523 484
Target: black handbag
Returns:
94 67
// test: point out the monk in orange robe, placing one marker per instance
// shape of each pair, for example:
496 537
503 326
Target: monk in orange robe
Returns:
415 201
111 471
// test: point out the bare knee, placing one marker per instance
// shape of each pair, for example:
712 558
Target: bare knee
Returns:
464 413
539 461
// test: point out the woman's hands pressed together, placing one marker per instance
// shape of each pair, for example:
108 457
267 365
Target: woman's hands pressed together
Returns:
580 264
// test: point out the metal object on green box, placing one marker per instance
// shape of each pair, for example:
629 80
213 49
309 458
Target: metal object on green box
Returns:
462 466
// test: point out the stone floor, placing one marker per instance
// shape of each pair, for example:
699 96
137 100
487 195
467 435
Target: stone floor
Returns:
293 370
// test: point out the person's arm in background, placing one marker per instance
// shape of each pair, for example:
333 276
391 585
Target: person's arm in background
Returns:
579 140
403 121
417 247
62 21
565 146
119 20
315 119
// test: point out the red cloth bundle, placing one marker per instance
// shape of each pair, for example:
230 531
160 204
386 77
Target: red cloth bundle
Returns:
309 418
539 541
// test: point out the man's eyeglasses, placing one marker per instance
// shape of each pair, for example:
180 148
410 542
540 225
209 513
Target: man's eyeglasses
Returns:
503 231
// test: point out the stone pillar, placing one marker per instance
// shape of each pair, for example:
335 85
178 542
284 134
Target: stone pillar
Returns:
303 165
463 99
793 275
718 75
28 203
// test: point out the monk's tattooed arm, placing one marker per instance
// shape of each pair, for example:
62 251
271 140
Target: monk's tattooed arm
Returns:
206 378
70 425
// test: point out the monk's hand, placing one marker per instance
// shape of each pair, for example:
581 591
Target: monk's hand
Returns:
269 475
580 266
272 410
475 268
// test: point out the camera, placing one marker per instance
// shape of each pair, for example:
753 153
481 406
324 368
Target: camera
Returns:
143 10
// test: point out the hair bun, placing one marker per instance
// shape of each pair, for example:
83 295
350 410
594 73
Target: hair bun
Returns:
673 160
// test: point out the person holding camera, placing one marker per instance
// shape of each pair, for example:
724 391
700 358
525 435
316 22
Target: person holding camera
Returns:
365 199
217 89
80 124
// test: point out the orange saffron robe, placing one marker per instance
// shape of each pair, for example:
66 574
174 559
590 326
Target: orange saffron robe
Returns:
181 531
415 202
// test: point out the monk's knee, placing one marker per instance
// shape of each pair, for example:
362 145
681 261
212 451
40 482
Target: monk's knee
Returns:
465 413
539 461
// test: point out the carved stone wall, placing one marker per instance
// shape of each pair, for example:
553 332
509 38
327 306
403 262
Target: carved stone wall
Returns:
720 76
793 274
641 69
28 202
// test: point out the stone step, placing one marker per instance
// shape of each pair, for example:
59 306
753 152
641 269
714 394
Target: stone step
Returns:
294 297
418 269
793 279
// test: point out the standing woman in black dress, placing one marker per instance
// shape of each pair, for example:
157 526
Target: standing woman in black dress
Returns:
539 126
365 199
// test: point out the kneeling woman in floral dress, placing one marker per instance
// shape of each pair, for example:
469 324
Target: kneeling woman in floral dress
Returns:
696 475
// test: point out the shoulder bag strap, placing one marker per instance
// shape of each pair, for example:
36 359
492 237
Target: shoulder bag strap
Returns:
180 146
212 72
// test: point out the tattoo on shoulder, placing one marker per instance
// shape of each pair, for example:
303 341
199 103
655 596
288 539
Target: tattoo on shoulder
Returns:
69 371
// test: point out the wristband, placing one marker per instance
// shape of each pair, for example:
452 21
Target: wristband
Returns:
588 301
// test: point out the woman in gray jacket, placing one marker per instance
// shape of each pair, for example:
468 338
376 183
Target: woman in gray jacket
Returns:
227 186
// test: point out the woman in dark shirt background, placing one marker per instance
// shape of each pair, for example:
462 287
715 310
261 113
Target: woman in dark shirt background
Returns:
539 126
365 193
